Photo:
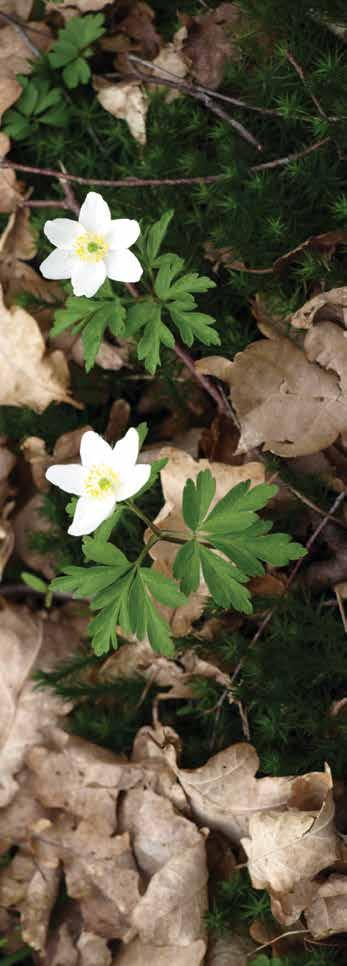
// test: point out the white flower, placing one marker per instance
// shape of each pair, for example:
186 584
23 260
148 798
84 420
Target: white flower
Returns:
107 476
92 248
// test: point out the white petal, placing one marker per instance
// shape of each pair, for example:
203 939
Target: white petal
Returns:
95 214
122 234
134 481
126 451
89 514
123 266
87 277
94 449
68 476
62 232
58 264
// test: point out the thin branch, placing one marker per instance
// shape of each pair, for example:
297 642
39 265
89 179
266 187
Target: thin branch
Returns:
49 203
282 162
68 192
299 71
22 33
112 183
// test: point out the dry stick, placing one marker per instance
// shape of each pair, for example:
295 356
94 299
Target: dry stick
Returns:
322 523
299 71
158 182
68 192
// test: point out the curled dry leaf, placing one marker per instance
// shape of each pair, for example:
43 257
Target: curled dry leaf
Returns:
172 60
16 57
330 306
81 778
30 376
93 950
211 41
27 643
66 450
283 400
10 194
286 847
157 832
126 101
138 953
230 950
10 91
17 246
179 468
224 793
327 914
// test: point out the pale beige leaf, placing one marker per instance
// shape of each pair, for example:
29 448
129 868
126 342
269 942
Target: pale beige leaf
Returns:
129 102
17 246
224 793
230 950
15 54
285 847
157 832
26 714
10 91
172 909
327 914
171 60
16 8
40 898
331 305
288 907
139 954
18 818
10 193
93 950
66 450
82 779
29 375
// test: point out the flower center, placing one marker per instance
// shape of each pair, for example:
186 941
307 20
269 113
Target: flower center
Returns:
91 247
101 481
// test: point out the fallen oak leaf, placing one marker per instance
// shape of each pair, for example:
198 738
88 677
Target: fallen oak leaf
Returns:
211 42
283 848
327 914
30 376
157 832
138 953
126 101
17 246
331 306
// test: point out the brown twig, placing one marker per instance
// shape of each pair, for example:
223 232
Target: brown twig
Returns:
70 199
266 620
282 162
299 71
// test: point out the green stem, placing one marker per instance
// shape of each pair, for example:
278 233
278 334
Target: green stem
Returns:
146 550
142 516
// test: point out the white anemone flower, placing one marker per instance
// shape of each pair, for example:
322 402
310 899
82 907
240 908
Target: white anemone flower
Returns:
105 477
93 248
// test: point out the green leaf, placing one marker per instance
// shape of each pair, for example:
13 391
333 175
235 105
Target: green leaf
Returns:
158 631
170 265
155 333
190 283
162 588
35 582
91 317
92 337
235 511
156 234
72 48
225 582
187 566
138 607
197 498
78 72
104 553
193 325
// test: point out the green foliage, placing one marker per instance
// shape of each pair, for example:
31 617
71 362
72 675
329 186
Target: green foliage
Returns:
233 528
72 49
91 317
122 594
39 103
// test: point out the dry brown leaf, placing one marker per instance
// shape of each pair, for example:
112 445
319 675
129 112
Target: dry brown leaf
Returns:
171 59
26 714
139 954
10 194
109 356
40 897
81 778
287 908
179 468
66 450
128 102
211 41
172 909
283 401
157 832
331 306
283 848
29 376
15 54
22 813
69 8
18 245
224 793
10 91
16 8
327 914
29 521
93 950
230 950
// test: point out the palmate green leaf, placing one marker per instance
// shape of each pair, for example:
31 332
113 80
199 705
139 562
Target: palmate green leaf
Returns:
154 236
155 334
162 588
39 103
78 72
169 266
91 317
193 325
75 37
225 582
236 510
197 498
187 566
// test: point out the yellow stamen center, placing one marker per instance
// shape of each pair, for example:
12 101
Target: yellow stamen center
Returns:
91 247
101 481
